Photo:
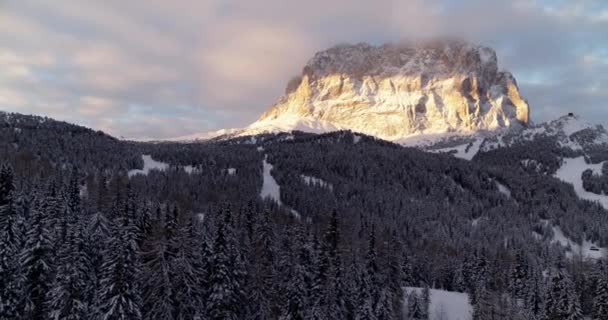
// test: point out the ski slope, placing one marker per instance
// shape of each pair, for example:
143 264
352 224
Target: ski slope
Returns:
571 172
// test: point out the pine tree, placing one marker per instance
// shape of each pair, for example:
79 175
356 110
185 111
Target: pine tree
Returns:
10 239
384 306
262 293
600 301
561 301
519 276
368 285
394 274
70 297
298 288
483 308
414 306
425 302
225 299
187 273
119 295
37 266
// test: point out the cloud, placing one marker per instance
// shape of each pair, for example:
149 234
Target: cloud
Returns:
160 68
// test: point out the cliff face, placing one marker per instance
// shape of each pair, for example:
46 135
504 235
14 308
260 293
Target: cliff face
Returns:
396 91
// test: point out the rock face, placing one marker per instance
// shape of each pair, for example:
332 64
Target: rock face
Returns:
396 91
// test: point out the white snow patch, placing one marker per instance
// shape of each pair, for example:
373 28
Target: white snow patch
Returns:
190 169
588 250
503 189
572 125
571 172
317 182
149 164
83 191
356 138
461 150
231 171
271 189
446 305
475 222
260 148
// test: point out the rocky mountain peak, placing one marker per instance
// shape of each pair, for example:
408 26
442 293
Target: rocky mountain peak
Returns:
398 91
394 91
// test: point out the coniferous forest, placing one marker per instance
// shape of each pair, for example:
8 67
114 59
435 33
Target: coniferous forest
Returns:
358 221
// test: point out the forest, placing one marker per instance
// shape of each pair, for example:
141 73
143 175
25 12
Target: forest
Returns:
359 219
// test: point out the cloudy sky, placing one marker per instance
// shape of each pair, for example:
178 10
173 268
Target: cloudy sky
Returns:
162 68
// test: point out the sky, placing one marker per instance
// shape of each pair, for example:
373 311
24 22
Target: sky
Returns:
167 68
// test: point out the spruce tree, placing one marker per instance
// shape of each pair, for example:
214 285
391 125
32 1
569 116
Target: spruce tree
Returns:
225 284
70 296
119 296
10 240
561 302
518 280
37 265
414 306
600 301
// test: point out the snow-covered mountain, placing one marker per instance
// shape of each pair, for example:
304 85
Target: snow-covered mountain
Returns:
569 132
396 92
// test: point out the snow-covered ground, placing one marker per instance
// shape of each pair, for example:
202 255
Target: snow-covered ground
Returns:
271 189
461 150
503 189
149 164
571 172
317 182
588 250
446 305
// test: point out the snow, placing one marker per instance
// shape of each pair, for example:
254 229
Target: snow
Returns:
573 124
461 150
289 122
503 189
356 138
571 172
271 189
576 249
204 135
317 182
149 164
231 171
83 191
446 305
189 169
475 222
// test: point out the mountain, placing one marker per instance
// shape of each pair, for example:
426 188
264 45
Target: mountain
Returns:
570 134
396 92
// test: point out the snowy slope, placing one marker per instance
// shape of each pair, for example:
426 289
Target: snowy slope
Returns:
149 164
571 172
587 250
271 189
446 305
570 131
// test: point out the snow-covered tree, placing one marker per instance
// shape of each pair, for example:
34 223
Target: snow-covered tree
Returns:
10 241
